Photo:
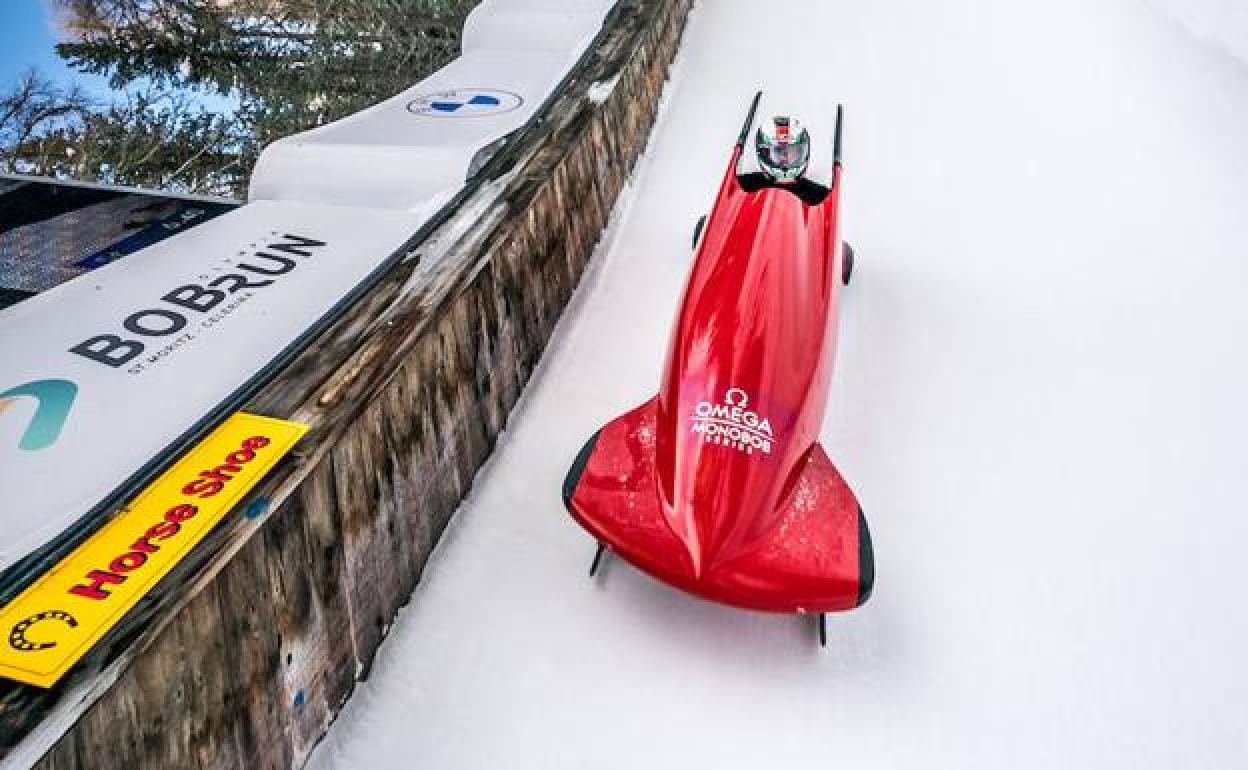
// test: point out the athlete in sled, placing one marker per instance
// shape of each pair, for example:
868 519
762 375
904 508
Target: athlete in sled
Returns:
718 485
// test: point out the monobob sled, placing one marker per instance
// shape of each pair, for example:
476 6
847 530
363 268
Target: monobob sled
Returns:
718 485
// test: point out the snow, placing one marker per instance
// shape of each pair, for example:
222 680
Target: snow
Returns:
600 91
1219 23
1039 399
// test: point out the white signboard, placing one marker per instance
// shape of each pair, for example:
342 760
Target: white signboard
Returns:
101 374
419 145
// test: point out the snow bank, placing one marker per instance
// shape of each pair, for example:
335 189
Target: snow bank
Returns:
1219 23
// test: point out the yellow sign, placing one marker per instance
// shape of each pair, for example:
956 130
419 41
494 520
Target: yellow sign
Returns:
55 621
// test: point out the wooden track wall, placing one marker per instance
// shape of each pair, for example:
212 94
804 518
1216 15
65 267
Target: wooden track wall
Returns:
245 654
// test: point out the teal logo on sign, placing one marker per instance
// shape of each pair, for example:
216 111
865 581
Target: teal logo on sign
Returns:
53 399
465 103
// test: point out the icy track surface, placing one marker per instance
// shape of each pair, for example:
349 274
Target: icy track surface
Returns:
1040 399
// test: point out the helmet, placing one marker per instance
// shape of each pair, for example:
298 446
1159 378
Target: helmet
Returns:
783 148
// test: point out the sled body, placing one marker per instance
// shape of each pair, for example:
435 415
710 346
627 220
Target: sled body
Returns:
718 484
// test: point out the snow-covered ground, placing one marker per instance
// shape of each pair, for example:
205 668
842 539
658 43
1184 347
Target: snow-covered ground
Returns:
1041 399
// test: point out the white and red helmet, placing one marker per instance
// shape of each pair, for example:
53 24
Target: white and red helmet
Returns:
783 148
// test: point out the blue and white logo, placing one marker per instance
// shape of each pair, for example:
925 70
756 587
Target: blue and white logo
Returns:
465 103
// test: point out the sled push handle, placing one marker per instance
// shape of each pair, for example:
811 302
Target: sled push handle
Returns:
749 120
836 138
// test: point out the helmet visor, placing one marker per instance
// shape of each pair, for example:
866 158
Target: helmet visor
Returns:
785 156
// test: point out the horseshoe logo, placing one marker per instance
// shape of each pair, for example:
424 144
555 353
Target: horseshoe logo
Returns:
736 397
17 637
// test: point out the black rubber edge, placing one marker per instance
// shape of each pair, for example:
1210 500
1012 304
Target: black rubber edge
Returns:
578 467
697 230
866 561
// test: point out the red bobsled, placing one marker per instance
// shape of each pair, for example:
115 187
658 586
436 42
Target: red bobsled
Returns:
718 485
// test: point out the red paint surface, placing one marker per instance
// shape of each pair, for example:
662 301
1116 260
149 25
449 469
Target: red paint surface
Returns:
751 517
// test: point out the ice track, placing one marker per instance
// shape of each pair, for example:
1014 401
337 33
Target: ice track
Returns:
1039 399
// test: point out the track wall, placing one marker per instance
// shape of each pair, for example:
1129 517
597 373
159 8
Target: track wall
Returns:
246 653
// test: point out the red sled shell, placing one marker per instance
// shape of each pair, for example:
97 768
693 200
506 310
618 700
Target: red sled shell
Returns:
718 485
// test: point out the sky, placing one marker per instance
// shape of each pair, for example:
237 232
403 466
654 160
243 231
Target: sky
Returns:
27 38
